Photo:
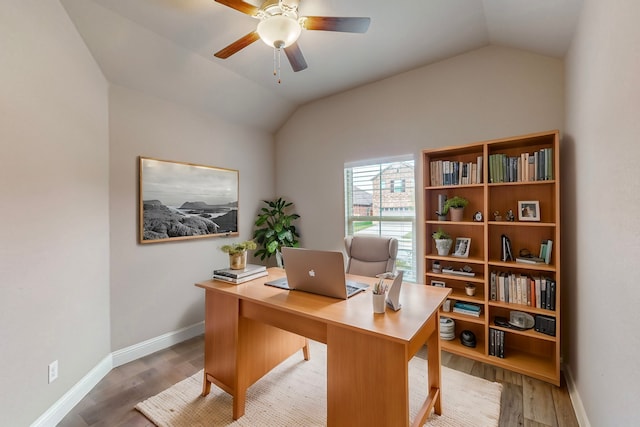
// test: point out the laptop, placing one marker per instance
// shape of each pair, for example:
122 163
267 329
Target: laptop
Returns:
318 272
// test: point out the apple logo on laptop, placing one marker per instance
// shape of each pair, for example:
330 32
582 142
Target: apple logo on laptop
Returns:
312 273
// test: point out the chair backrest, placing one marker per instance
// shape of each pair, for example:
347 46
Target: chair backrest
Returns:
371 255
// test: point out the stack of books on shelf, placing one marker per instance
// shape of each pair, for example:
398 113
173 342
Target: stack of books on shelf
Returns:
250 272
467 308
532 291
496 343
450 172
537 166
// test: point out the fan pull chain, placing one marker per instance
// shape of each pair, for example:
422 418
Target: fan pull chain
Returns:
276 63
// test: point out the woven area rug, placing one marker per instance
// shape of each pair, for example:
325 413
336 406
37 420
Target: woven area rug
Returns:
294 394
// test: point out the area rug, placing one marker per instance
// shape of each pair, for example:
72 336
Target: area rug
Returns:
294 394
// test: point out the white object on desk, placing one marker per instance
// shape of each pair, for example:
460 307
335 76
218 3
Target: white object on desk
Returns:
393 297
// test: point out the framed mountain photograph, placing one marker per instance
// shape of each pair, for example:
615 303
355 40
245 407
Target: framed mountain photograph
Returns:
179 201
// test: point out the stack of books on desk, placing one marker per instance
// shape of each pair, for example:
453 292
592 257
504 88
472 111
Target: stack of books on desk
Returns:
466 308
250 272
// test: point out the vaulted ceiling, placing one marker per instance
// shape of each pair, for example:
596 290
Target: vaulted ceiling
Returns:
165 47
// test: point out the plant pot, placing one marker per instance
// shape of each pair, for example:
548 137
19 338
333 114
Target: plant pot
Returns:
442 217
456 214
443 246
238 261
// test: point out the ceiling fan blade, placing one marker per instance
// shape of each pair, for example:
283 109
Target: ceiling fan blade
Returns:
237 45
296 58
333 23
240 6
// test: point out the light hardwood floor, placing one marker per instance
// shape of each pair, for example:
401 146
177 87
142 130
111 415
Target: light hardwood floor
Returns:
525 401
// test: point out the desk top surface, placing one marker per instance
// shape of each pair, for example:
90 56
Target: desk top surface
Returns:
419 303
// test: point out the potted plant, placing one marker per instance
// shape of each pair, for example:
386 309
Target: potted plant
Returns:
238 253
275 229
443 241
456 205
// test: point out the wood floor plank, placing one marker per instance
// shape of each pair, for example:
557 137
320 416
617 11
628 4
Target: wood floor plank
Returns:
538 402
565 413
511 406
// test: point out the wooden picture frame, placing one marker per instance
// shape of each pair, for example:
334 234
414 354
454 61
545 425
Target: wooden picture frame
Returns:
529 210
462 246
180 201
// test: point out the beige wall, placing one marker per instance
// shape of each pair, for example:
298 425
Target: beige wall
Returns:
152 290
54 207
601 224
487 93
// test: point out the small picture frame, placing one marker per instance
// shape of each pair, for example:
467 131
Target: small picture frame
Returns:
462 247
438 283
529 210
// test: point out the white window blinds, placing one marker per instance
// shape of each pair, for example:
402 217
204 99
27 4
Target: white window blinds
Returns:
380 200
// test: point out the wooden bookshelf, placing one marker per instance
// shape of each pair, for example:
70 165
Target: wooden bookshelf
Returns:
499 186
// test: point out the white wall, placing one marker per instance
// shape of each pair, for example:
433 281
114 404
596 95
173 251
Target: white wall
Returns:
488 93
601 223
152 285
54 189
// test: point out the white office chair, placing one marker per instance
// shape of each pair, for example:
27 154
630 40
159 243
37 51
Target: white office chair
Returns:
371 255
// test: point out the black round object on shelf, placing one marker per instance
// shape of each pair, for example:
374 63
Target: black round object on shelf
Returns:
468 338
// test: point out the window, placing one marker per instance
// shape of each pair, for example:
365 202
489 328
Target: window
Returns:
373 208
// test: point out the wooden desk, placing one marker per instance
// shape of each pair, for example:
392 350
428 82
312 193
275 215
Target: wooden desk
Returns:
251 328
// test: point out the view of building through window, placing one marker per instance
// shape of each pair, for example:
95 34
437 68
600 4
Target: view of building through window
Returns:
380 200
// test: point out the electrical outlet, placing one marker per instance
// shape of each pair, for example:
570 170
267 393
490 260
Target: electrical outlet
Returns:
53 371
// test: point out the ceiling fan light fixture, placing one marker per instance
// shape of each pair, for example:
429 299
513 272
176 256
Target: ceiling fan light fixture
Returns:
279 31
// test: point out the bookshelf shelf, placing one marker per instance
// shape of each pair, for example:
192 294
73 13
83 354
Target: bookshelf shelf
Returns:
503 172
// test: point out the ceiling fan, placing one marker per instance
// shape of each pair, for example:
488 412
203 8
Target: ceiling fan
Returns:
280 26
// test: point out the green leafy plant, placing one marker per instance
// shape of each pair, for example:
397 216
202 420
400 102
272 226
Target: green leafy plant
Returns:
440 234
275 228
236 248
454 202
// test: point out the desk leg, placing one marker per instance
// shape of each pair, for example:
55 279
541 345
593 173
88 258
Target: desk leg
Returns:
433 401
367 380
433 357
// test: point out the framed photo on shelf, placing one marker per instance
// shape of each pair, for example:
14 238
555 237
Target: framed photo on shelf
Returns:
529 210
462 247
438 283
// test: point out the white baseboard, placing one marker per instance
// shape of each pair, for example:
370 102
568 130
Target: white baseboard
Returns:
66 403
578 407
136 351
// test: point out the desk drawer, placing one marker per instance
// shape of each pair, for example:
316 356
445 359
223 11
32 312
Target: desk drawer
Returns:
288 321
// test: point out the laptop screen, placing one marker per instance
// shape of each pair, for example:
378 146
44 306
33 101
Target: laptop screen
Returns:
316 271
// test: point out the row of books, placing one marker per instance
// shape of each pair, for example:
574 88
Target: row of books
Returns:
451 172
537 166
496 343
250 272
467 308
512 288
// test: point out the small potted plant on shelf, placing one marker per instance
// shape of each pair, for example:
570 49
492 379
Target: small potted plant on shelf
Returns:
456 205
443 241
238 253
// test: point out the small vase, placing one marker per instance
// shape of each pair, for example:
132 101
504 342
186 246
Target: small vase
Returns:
456 214
238 261
443 246
379 302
